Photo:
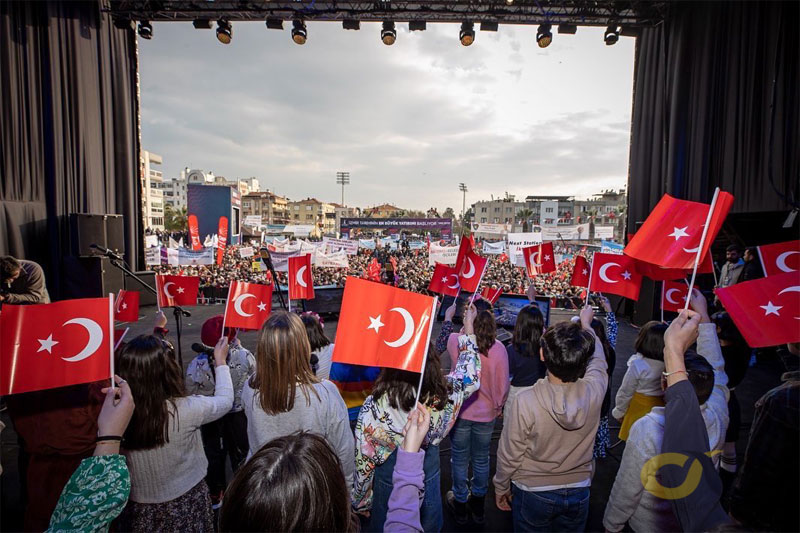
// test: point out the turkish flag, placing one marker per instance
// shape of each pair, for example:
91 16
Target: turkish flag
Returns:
472 271
444 280
383 326
502 258
766 310
126 307
779 258
659 273
673 295
580 272
194 233
464 249
615 274
539 259
248 306
222 238
301 284
374 270
670 237
176 290
55 345
491 295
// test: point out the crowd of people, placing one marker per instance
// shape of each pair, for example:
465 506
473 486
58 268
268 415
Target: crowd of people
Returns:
413 272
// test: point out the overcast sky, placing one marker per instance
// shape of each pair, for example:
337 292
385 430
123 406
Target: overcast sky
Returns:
409 121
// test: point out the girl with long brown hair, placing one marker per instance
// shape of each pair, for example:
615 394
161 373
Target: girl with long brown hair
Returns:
284 395
162 443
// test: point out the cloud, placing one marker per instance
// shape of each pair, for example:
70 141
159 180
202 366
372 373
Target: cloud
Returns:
409 121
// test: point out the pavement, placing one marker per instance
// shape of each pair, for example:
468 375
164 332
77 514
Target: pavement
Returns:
761 377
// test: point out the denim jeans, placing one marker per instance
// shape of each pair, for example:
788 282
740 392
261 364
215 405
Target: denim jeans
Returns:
555 510
430 513
470 443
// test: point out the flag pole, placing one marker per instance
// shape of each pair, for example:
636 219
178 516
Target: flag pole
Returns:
427 349
158 295
111 336
225 314
700 249
663 283
589 288
483 273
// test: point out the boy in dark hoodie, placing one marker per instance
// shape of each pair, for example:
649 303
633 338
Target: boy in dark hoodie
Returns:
544 459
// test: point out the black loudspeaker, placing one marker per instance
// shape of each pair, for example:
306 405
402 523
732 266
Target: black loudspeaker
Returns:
145 296
648 306
102 230
90 277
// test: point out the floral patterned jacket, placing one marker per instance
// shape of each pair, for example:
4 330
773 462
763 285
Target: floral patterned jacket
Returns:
379 429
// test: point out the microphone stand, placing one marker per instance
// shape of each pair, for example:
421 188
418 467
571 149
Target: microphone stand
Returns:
177 311
271 268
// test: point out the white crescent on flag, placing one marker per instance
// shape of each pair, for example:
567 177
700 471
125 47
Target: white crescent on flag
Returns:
602 273
166 289
780 262
794 288
300 275
94 342
408 331
237 304
456 283
668 296
471 271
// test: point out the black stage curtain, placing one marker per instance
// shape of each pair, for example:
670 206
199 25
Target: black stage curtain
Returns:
68 128
704 84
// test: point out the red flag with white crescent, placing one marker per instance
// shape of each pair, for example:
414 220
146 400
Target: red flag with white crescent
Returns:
766 310
580 272
194 233
472 271
126 306
383 326
444 280
673 295
780 258
301 284
176 290
248 306
615 274
46 346
491 295
539 259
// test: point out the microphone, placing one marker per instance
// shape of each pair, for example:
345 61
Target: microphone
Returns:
105 251
199 347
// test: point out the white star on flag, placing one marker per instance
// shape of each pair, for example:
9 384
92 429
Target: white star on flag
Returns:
771 309
444 279
585 272
46 344
376 324
181 290
124 305
547 258
626 275
679 232
262 306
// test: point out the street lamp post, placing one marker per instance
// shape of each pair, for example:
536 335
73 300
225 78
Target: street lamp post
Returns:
463 188
343 178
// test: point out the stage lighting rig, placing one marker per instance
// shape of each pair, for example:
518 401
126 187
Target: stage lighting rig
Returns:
224 31
467 33
388 33
348 24
569 29
417 25
274 23
544 35
145 30
299 32
612 34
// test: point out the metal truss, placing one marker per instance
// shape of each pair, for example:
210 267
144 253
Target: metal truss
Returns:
625 13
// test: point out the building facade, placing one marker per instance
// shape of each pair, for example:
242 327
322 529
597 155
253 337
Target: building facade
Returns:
151 194
383 211
313 212
341 212
272 208
174 190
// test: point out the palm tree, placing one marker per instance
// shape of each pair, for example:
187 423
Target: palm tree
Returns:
175 219
524 215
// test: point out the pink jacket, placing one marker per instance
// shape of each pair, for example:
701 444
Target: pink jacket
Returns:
486 404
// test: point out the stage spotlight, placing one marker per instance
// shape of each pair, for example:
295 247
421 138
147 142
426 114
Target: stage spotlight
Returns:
612 35
509 2
417 25
467 33
202 24
299 33
351 24
388 33
569 29
544 35
145 30
224 31
275 23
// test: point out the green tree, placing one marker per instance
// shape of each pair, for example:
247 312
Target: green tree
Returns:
175 219
524 216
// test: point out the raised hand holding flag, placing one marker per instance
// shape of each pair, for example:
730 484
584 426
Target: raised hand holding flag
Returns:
472 271
674 295
614 274
444 280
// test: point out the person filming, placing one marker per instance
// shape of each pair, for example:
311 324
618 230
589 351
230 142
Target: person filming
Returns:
22 282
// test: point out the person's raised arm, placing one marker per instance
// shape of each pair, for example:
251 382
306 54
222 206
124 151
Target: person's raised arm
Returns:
447 328
214 407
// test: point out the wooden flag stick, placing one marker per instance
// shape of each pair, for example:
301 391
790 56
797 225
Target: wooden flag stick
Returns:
427 349
663 284
111 336
702 244
483 273
589 287
225 313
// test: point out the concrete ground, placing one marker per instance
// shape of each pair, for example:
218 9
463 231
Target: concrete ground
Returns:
760 378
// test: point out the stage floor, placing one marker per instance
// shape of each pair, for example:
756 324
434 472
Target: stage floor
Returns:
760 378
